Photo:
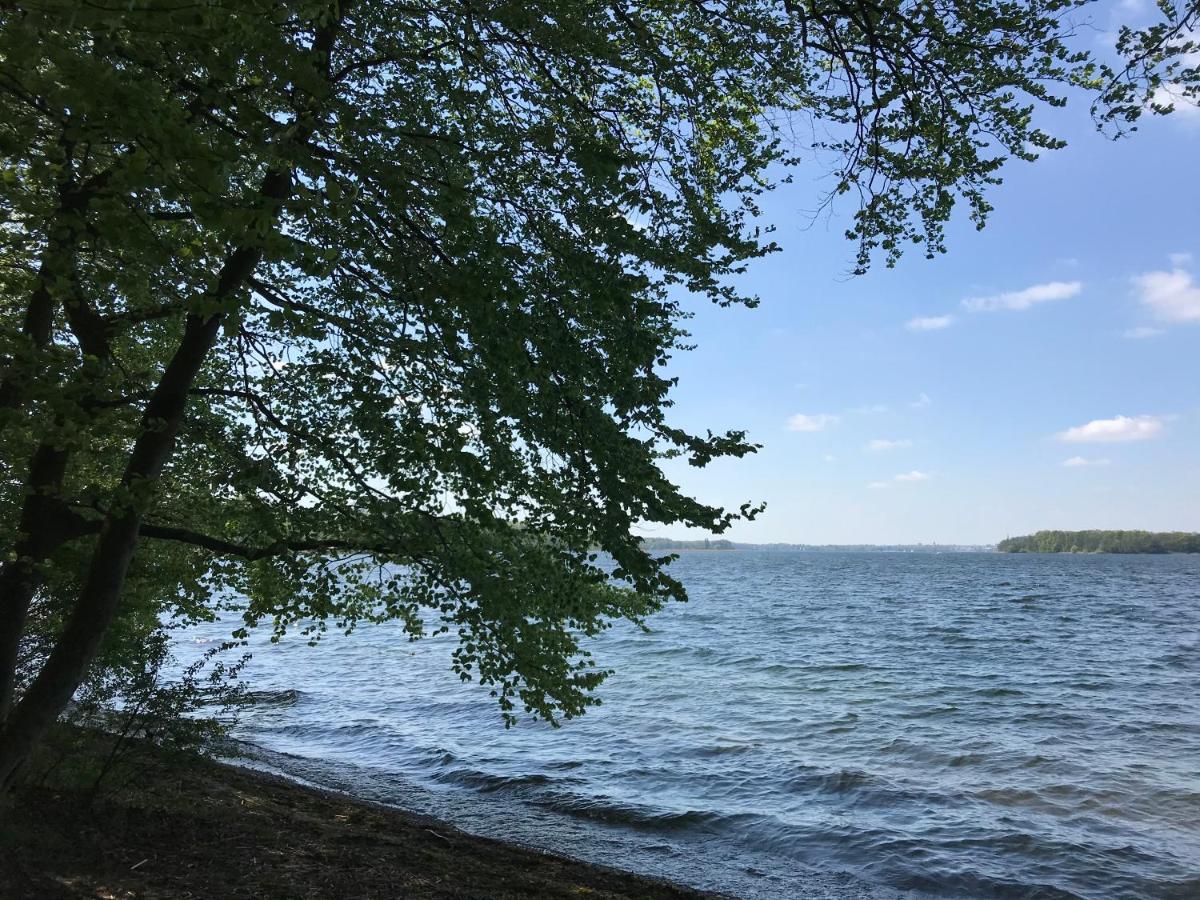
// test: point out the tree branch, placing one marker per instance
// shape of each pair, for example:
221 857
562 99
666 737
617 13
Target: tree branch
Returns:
250 553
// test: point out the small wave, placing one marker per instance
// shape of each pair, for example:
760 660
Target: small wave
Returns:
842 781
273 698
838 667
967 759
928 712
487 782
604 809
725 749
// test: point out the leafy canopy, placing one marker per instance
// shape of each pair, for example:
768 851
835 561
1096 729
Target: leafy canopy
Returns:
445 245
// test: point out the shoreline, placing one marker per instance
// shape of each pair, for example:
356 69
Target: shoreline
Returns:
191 826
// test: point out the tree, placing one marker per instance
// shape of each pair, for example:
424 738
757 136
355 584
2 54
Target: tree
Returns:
1102 542
358 310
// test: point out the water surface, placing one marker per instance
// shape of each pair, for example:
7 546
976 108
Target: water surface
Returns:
811 725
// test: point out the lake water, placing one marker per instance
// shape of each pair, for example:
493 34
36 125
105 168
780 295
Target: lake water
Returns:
810 725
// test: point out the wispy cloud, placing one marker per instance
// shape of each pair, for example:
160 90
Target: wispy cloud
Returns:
881 445
929 323
922 401
1114 430
908 477
1172 296
1141 332
803 422
1076 462
1025 298
1180 259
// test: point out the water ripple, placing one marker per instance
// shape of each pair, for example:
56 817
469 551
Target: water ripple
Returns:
811 725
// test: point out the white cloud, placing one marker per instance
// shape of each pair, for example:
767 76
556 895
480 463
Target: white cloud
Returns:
1024 299
1173 94
1180 259
1185 107
922 401
802 422
1119 428
1077 461
929 323
1141 332
1173 296
877 485
882 444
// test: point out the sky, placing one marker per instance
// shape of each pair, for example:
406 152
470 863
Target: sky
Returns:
1044 373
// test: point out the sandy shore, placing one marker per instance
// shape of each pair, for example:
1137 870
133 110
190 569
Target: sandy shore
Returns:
199 829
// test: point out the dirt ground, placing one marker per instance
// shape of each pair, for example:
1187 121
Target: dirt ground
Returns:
190 827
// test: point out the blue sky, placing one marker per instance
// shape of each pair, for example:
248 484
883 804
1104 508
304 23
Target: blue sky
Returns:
1045 373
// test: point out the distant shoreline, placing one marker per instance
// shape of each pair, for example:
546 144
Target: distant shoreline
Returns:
669 545
1078 542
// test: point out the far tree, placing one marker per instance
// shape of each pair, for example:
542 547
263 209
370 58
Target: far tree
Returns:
358 311
1102 542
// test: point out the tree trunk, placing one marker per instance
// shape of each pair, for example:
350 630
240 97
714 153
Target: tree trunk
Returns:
100 595
20 576
41 526
62 242
96 606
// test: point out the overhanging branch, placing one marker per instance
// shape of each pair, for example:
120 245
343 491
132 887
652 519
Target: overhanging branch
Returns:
251 553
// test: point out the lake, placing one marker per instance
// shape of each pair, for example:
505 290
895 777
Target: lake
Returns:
809 725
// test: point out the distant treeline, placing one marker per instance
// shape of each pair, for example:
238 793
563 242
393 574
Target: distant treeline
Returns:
662 543
657 543
1103 542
